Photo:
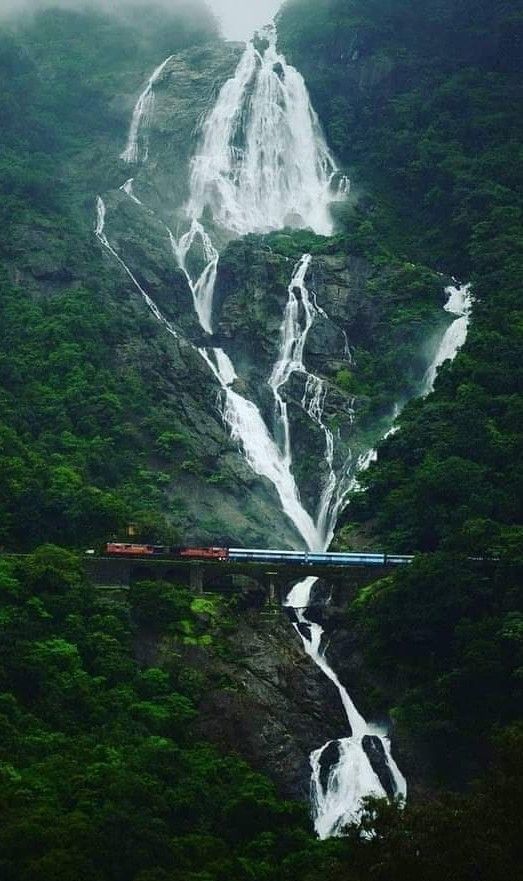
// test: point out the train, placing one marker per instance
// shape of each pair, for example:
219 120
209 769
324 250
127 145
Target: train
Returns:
255 555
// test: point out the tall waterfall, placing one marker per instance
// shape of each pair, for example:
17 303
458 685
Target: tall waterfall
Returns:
247 426
299 316
262 164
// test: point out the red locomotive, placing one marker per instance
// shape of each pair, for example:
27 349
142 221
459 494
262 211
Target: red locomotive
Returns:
125 549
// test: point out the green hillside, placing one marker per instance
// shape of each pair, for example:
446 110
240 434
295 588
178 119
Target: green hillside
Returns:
155 735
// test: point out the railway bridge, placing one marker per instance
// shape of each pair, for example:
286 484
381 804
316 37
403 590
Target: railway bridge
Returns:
275 579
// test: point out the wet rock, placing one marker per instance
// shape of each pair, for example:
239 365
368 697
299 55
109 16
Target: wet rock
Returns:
278 707
329 759
375 751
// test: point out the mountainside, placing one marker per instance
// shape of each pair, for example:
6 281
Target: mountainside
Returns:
274 301
434 138
152 448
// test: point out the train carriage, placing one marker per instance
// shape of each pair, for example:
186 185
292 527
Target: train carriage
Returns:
256 555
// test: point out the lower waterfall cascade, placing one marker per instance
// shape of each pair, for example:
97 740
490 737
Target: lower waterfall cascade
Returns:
352 777
263 164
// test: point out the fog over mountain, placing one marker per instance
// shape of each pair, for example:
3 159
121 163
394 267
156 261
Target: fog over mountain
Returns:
238 21
17 7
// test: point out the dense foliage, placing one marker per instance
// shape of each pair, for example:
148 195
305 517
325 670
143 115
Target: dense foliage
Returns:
102 778
446 639
83 387
423 101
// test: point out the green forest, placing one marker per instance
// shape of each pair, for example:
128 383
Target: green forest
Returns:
104 774
74 420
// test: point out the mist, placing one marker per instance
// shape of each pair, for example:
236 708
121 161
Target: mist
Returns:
15 8
238 20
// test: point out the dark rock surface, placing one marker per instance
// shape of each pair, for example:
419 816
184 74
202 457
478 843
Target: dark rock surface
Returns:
281 707
329 759
374 749
277 706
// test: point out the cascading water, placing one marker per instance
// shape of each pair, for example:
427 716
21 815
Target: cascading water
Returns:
299 316
260 450
127 188
203 288
102 238
338 789
339 784
263 164
344 772
459 303
142 115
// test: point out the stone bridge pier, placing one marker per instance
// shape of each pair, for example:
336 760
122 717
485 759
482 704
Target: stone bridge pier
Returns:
274 583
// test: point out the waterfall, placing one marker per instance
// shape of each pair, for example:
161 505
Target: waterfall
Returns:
127 188
263 164
247 426
337 795
102 238
459 303
299 316
337 792
203 288
142 116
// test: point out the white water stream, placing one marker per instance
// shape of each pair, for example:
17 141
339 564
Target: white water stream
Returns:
247 426
101 236
459 303
142 115
202 288
127 188
300 313
262 164
337 801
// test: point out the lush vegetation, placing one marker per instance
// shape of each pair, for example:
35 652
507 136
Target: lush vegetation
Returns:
102 777
84 375
446 640
102 774
423 101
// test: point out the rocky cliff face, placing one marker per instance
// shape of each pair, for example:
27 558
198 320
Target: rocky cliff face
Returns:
377 320
264 700
370 312
369 346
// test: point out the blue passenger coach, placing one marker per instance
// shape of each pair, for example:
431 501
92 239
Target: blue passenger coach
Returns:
313 558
